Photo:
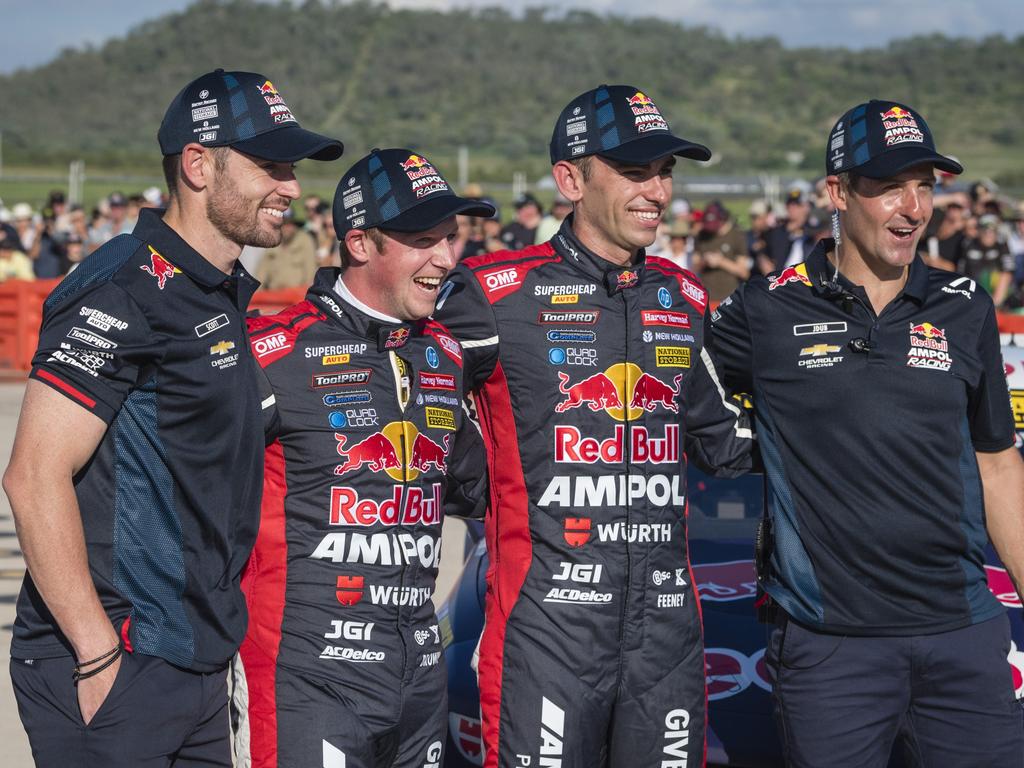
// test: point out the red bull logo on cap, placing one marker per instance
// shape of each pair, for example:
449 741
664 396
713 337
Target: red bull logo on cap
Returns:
797 274
623 390
414 161
399 449
268 89
639 99
160 268
895 113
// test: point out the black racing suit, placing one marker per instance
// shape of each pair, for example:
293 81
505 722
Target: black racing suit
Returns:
343 661
593 386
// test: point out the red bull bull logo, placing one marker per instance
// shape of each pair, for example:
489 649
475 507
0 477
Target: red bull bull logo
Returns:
397 338
623 390
160 268
577 531
927 331
895 113
414 162
797 274
627 279
399 449
268 89
639 99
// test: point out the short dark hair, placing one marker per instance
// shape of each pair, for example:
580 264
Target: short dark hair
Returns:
583 165
172 167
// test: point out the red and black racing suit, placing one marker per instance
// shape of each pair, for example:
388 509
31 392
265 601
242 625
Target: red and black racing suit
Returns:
593 386
343 660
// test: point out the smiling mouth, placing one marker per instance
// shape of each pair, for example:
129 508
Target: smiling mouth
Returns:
903 233
274 213
428 283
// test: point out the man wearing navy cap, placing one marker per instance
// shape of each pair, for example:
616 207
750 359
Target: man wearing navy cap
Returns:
368 449
887 436
592 381
136 470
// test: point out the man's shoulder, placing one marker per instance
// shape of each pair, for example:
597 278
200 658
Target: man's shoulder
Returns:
274 337
119 261
542 252
963 292
503 273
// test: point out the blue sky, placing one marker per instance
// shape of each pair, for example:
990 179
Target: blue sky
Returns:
36 30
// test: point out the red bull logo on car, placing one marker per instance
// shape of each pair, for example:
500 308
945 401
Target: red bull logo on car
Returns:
399 449
1001 587
797 274
725 582
159 267
623 390
728 672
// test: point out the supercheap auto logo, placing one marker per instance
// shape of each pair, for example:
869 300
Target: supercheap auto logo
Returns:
399 449
622 390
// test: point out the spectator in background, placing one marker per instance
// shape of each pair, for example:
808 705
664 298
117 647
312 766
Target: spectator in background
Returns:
57 203
27 233
1015 242
523 231
291 264
47 254
680 245
328 249
762 219
944 249
486 236
111 221
720 253
14 264
154 198
791 241
988 262
74 251
550 224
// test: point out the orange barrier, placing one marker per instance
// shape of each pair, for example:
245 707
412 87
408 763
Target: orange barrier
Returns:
21 311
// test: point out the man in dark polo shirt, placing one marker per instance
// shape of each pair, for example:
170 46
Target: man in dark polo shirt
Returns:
135 476
887 436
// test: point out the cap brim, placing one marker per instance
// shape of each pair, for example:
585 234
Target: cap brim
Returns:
647 149
894 162
430 213
290 144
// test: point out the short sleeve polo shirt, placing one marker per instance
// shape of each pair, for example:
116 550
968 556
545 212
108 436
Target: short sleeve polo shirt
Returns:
151 338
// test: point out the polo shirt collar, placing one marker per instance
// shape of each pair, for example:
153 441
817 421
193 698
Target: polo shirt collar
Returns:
152 230
820 272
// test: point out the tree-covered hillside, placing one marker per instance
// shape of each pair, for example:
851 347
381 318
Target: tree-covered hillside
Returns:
495 83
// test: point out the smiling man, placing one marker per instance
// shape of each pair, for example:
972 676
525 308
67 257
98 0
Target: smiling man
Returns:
593 385
134 479
886 431
368 450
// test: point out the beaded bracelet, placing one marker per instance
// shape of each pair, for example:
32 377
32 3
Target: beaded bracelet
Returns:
111 656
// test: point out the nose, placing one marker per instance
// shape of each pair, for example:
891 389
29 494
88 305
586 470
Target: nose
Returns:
443 255
658 189
913 202
289 187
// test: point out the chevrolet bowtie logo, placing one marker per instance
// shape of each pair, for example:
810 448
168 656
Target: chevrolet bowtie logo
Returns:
222 347
818 350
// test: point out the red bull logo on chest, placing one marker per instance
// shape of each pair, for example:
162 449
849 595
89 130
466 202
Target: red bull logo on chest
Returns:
159 267
797 274
623 390
400 450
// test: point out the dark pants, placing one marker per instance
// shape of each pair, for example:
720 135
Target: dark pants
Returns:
843 700
156 715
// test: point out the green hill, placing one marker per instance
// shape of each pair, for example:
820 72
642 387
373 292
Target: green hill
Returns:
495 82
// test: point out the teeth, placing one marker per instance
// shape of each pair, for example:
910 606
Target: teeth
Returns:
273 212
430 282
648 215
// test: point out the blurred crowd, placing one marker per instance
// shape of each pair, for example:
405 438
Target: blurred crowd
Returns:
974 231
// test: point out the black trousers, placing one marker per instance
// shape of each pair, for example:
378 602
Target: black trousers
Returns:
844 700
156 715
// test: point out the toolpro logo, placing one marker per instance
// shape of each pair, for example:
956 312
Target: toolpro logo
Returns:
797 274
160 268
399 449
623 390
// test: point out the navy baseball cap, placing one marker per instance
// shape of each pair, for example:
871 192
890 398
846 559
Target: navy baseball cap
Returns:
621 123
881 139
241 110
398 190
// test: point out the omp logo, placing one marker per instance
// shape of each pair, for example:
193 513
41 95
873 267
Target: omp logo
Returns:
266 345
350 630
677 737
505 278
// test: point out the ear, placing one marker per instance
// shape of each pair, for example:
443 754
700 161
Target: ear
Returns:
837 193
569 180
196 166
359 246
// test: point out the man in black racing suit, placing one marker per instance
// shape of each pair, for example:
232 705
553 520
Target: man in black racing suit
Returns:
593 386
343 661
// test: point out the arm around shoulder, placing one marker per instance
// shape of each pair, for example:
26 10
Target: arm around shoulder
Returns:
1002 477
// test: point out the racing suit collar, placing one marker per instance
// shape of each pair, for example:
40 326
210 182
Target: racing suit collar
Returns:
339 308
820 271
615 278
